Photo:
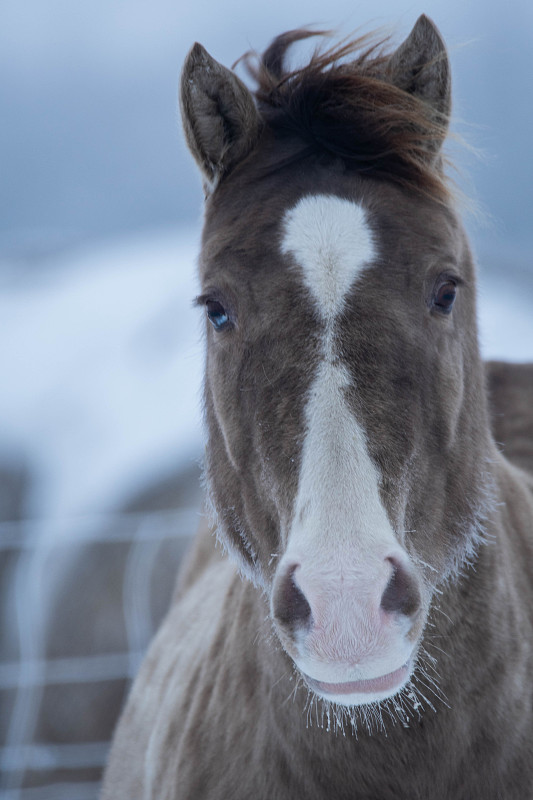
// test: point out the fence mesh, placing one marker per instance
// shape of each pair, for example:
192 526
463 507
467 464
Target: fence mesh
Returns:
80 602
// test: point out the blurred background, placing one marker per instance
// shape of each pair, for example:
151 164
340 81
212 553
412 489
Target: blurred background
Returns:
100 347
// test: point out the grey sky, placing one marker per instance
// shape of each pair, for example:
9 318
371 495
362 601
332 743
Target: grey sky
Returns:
90 137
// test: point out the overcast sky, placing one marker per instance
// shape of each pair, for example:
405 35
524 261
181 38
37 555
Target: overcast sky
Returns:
90 141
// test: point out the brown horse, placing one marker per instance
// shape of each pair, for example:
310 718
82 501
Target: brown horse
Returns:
378 641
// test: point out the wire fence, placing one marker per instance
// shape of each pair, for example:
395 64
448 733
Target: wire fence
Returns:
81 601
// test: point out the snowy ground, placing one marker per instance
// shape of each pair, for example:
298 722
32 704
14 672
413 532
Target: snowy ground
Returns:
103 357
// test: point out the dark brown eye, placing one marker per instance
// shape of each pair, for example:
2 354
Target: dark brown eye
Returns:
444 297
217 314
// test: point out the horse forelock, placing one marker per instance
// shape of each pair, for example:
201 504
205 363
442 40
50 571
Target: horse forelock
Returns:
351 110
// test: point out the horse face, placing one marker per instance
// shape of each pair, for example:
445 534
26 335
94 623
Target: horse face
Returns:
344 391
340 390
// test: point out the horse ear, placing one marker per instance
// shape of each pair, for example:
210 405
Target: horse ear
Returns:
420 66
220 120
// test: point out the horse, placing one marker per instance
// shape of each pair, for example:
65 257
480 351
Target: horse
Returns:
367 631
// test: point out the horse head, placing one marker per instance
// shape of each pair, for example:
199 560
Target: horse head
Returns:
344 394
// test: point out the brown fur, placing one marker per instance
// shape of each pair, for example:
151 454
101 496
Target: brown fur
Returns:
511 398
218 709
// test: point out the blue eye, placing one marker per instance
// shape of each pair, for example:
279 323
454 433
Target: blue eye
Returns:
217 314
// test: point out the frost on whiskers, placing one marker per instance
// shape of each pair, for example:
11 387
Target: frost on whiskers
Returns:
422 692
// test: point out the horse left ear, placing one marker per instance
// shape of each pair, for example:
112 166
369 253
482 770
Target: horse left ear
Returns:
220 119
421 67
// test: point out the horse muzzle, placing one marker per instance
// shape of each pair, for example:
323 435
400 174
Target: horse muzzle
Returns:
352 630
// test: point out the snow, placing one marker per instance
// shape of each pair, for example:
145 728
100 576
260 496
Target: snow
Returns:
104 360
104 355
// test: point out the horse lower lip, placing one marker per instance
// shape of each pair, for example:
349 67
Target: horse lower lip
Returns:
383 683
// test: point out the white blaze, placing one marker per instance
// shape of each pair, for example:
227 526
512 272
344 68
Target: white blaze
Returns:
332 242
338 498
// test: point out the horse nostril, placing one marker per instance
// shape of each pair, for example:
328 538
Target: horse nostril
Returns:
401 595
291 608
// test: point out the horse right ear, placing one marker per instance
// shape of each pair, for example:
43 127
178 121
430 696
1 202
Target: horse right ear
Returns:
220 119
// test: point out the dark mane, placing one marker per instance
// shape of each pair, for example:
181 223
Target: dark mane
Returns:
351 110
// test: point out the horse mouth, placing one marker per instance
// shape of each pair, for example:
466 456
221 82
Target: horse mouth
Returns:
385 685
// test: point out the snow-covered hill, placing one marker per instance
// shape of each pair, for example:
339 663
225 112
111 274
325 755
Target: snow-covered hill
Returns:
103 361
